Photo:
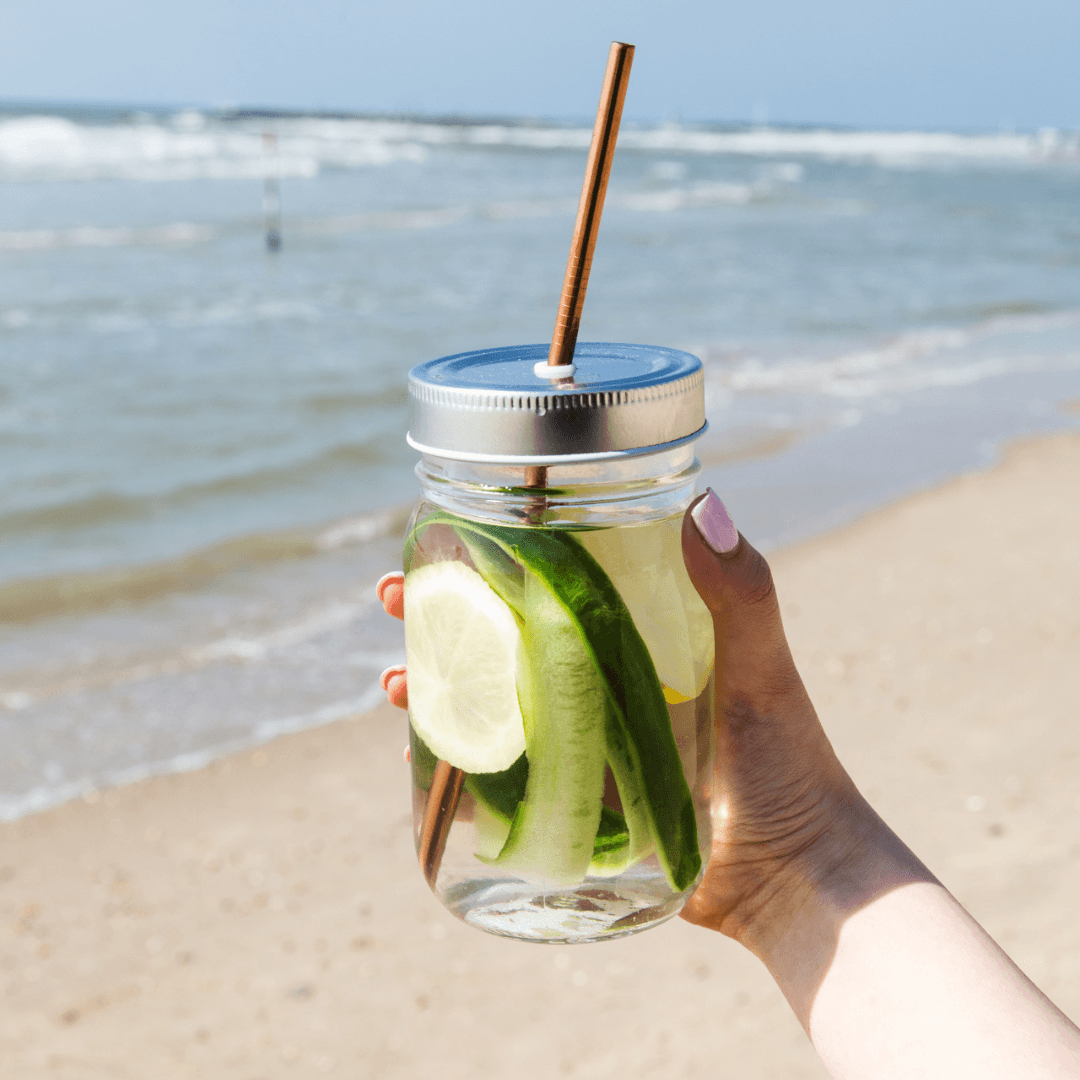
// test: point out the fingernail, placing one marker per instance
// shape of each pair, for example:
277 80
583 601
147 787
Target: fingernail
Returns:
386 579
389 673
715 524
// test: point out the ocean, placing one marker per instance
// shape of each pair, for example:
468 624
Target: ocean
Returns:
203 468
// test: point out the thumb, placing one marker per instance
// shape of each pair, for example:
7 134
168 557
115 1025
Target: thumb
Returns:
753 662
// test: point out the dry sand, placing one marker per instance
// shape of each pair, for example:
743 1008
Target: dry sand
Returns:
264 918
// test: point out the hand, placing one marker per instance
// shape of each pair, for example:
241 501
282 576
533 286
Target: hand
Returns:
783 799
781 793
390 590
784 809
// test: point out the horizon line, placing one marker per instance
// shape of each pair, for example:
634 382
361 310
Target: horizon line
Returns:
125 111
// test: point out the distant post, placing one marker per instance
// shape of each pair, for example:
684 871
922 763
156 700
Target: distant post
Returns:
271 197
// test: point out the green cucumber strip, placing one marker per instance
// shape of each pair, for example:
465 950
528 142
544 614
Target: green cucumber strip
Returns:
554 829
498 795
501 791
423 761
504 575
491 832
493 563
621 761
646 754
611 851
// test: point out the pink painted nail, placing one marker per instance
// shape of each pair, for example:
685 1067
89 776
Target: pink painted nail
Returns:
389 673
395 577
715 524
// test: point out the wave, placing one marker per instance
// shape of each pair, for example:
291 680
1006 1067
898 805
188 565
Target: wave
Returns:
81 592
660 201
55 148
192 146
110 506
182 232
916 360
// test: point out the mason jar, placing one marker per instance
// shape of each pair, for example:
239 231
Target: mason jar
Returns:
560 661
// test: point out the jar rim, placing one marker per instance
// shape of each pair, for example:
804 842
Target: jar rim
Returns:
553 459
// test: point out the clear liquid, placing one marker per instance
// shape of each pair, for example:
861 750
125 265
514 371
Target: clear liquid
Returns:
602 905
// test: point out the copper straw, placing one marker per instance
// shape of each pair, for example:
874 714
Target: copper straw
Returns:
591 206
443 795
447 782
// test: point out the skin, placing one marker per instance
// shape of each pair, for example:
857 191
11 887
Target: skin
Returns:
888 974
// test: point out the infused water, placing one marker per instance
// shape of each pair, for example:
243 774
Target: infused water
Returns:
561 676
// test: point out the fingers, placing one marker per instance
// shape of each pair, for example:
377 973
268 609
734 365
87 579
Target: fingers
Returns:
736 584
390 589
394 577
394 682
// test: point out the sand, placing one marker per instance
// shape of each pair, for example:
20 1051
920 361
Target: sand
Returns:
264 917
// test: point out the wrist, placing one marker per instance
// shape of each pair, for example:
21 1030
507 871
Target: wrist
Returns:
794 925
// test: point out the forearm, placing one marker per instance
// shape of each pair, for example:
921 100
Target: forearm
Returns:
918 989
891 977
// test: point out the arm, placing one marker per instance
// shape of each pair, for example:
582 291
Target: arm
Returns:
889 975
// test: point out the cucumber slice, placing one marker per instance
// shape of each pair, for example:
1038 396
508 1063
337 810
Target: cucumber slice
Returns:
499 570
497 796
554 829
639 743
502 791
611 849
621 761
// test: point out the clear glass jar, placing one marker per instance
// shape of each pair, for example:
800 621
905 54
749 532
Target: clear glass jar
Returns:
591 821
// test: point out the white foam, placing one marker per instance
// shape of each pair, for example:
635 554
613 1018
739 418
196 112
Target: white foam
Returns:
192 146
181 232
903 148
917 360
54 148
359 530
333 617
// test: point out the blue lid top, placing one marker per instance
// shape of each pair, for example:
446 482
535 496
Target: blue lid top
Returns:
492 405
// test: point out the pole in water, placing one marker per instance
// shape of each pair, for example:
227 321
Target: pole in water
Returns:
271 197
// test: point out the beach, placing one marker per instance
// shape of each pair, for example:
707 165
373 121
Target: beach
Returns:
264 917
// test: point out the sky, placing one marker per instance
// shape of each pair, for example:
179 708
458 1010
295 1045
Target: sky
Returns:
927 64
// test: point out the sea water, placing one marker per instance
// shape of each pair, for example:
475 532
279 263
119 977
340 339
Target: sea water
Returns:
202 459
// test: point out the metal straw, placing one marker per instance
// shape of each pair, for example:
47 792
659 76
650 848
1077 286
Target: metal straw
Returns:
447 781
446 784
591 206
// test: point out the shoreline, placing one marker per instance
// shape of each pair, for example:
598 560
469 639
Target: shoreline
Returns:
263 916
780 496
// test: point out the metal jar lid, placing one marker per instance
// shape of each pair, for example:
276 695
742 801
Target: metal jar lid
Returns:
491 405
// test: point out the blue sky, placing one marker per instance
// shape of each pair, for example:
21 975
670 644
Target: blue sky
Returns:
911 63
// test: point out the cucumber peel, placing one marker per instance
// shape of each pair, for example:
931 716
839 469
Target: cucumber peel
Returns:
554 828
498 795
635 724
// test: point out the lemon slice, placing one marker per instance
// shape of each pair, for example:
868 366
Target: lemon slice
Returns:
645 564
463 648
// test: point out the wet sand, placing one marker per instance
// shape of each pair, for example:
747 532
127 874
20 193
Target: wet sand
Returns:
265 918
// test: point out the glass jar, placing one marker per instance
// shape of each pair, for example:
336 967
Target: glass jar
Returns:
560 661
